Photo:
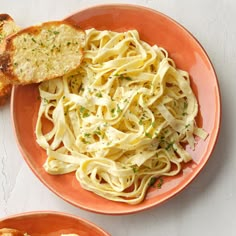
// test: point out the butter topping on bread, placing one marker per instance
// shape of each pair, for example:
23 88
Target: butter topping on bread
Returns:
42 52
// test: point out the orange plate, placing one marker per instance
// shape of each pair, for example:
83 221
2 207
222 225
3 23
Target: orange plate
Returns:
51 224
155 28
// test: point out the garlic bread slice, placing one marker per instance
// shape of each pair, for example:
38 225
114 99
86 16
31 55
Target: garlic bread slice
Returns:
42 52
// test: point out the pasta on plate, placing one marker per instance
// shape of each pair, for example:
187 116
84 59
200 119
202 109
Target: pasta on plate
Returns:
119 121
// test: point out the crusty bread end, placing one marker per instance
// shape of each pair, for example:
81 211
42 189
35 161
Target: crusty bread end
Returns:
7 27
42 52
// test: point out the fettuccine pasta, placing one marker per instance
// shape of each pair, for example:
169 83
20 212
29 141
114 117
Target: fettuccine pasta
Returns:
120 120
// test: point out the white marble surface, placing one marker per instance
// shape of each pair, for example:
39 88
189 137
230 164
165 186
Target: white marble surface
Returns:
208 206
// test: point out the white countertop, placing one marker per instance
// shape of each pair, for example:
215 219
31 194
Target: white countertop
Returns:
208 206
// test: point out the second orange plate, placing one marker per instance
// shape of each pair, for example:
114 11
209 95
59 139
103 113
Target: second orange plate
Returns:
154 28
51 223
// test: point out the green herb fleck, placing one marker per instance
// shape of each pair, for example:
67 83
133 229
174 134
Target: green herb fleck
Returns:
85 114
140 121
45 100
160 182
152 181
148 135
169 146
85 141
122 76
125 77
33 40
99 94
186 126
135 169
118 109
82 109
97 132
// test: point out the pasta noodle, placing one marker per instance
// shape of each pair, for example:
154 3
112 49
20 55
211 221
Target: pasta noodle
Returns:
120 120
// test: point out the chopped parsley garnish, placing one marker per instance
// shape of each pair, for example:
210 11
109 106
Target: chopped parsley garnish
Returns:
99 94
97 132
82 109
135 169
87 135
148 135
119 110
160 182
122 76
153 124
84 112
46 101
125 77
152 181
140 121
169 146
33 40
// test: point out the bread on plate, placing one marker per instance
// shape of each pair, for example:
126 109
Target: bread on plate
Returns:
42 52
7 27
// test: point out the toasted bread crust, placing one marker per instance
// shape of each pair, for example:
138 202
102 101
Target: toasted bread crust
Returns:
10 232
7 27
10 68
38 28
5 17
5 63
